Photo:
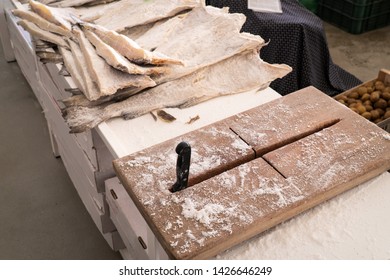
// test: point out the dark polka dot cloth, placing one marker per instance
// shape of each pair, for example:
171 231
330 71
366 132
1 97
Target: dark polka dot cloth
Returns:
296 38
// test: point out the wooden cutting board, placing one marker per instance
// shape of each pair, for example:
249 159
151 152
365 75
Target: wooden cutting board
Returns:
252 171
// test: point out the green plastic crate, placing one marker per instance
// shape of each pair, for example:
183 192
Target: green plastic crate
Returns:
311 5
355 16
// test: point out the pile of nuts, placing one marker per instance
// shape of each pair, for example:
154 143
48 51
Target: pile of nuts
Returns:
371 100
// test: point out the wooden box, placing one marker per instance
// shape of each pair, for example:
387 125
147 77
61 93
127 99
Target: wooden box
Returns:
136 234
384 77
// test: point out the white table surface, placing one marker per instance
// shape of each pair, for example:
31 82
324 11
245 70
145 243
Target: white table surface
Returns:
126 137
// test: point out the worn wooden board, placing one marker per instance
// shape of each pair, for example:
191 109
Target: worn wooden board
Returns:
300 163
286 120
215 148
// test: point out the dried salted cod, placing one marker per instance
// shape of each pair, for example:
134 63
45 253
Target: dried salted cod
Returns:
60 17
248 70
120 95
100 2
44 35
157 34
137 31
91 13
127 47
129 13
74 3
41 22
91 90
49 57
205 36
73 69
46 2
116 60
108 79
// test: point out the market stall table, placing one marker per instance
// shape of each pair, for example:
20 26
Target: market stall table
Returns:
87 158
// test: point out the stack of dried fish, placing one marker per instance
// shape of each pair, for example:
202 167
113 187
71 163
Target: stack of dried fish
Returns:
178 54
100 61
71 3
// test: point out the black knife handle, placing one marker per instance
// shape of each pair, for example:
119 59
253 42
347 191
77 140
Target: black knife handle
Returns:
183 150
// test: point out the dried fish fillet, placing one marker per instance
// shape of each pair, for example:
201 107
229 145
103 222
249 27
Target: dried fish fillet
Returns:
41 22
137 31
221 39
108 79
207 83
42 45
91 91
44 35
91 13
129 13
46 2
127 47
100 2
75 3
60 17
157 34
84 102
73 69
117 61
49 57
205 36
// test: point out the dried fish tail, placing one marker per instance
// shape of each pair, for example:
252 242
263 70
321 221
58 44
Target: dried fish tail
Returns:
80 119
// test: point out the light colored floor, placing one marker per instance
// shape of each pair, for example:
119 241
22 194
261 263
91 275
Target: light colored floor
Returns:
362 55
41 215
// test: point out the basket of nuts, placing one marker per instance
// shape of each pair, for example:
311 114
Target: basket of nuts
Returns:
371 100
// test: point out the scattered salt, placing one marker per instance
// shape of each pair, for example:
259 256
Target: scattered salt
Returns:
168 226
241 146
205 215
179 222
139 161
209 233
227 181
190 235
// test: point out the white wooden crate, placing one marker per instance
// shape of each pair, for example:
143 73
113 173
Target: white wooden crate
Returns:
79 163
90 142
60 81
84 140
4 33
136 234
115 241
94 202
95 176
24 52
48 84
